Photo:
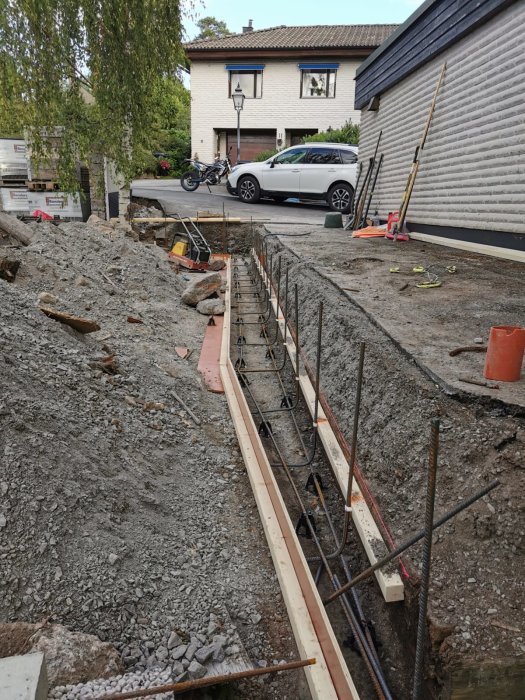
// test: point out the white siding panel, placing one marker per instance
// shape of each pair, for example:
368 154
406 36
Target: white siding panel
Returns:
472 170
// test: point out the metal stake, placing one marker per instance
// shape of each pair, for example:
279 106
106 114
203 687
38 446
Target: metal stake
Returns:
427 555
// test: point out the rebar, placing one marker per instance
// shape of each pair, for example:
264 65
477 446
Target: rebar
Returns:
426 561
412 540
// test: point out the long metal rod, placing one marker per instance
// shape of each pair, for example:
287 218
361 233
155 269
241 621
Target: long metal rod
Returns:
318 362
426 562
412 540
185 686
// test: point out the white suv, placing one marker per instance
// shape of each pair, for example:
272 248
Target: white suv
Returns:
309 171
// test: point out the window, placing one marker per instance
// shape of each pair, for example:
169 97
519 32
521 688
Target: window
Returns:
294 155
323 156
318 83
250 82
348 157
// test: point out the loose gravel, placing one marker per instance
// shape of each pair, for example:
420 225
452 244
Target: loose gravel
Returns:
121 516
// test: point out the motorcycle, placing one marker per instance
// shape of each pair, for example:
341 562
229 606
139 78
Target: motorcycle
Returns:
209 173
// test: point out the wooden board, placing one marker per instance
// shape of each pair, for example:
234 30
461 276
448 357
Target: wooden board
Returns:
210 356
82 325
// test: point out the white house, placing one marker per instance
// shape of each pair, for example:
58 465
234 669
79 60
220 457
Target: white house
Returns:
296 80
470 188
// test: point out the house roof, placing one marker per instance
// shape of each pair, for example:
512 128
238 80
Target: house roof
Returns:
344 36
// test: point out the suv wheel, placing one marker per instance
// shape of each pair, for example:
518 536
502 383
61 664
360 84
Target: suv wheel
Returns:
340 198
249 190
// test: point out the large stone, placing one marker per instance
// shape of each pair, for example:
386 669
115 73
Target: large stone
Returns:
211 307
217 265
201 288
73 657
196 670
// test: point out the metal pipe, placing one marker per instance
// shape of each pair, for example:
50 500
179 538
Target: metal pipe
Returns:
426 562
413 540
184 686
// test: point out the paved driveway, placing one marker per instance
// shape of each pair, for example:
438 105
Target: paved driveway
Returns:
176 200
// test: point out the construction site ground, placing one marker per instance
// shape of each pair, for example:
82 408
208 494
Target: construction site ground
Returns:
476 598
123 517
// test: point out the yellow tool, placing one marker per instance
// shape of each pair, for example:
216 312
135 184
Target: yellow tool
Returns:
180 248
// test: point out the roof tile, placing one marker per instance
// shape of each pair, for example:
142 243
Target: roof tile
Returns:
317 36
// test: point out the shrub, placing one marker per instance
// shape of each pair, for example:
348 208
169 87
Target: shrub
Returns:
348 133
264 155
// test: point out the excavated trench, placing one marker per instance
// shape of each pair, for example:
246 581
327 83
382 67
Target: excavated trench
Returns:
477 443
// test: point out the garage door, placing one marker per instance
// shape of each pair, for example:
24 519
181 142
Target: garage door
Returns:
252 143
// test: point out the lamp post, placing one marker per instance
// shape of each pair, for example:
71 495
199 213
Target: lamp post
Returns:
238 103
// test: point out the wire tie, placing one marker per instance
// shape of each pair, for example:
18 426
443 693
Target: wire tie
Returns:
348 509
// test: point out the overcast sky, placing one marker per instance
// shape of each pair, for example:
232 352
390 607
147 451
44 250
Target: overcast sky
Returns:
271 13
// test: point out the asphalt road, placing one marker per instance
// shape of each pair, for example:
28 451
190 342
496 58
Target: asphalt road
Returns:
176 200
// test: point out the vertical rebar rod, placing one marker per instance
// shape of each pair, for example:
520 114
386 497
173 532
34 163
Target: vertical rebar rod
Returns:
427 555
285 304
296 340
318 363
278 297
357 409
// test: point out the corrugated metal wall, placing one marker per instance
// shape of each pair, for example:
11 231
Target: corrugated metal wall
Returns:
472 171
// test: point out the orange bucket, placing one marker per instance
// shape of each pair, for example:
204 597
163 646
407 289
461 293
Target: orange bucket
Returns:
505 353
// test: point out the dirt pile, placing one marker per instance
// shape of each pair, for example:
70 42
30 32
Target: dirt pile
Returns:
120 516
476 582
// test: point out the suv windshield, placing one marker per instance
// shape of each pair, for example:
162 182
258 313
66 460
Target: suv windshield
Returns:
294 155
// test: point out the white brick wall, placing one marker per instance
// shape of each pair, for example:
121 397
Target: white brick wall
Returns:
472 171
280 107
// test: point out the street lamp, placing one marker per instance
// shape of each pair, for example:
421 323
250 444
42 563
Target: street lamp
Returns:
238 103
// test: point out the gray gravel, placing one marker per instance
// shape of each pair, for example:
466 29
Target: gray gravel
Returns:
120 516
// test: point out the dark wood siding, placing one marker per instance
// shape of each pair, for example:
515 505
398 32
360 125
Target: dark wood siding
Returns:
439 26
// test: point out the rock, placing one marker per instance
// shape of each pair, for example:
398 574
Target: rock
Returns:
196 670
112 558
211 307
179 652
47 298
203 654
201 288
73 657
190 651
216 265
162 653
174 640
81 281
3 520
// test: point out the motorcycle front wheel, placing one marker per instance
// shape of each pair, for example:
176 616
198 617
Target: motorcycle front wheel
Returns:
188 181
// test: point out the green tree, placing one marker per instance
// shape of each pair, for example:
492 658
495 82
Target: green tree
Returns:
212 28
89 66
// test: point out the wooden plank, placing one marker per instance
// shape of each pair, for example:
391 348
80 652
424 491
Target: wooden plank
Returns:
329 679
390 583
82 325
210 356
494 251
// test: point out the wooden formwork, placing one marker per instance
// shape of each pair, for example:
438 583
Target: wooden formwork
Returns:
329 678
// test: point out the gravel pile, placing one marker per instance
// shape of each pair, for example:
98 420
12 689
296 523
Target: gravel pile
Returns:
120 516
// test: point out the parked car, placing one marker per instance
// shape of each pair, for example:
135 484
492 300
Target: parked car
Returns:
309 171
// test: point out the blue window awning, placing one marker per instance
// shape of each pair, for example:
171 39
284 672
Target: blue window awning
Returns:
318 66
244 66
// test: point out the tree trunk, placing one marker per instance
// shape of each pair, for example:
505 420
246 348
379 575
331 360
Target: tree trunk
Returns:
15 228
